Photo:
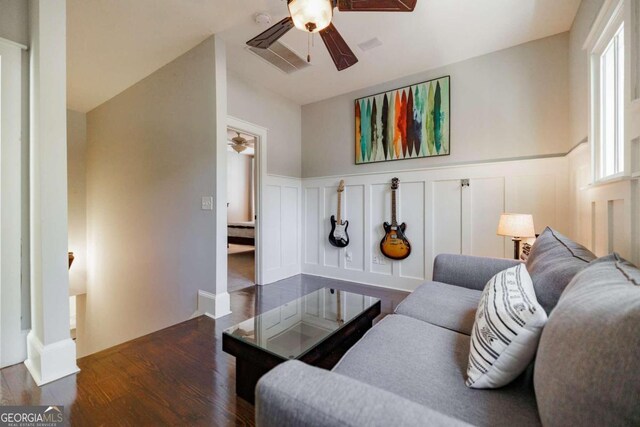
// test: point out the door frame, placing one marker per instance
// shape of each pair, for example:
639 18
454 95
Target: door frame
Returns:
260 181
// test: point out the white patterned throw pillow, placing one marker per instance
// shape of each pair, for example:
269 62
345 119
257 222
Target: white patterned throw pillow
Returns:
506 331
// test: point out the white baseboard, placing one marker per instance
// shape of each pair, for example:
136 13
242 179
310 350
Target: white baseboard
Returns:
47 363
213 305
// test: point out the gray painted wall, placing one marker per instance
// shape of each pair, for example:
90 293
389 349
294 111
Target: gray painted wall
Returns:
14 20
511 103
579 69
279 115
150 158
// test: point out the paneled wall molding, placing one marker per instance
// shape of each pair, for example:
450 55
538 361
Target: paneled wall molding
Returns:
281 228
441 216
605 216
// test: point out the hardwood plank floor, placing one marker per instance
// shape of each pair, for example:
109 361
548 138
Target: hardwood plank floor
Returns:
240 267
176 376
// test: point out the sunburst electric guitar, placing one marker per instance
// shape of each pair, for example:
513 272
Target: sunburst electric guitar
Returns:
395 244
338 236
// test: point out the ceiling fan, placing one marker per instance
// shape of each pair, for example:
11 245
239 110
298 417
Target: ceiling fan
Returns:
315 16
238 143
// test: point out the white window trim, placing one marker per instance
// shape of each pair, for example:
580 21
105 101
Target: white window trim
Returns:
606 25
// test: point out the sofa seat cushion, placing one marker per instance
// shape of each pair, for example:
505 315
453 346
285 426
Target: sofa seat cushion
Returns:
440 304
552 263
427 364
586 371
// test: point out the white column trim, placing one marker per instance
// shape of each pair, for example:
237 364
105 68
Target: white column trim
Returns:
214 306
47 363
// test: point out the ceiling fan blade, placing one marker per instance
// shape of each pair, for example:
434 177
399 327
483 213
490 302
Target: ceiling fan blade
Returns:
271 35
340 52
376 5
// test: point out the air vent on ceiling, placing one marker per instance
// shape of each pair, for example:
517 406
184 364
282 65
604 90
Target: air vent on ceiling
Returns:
370 44
281 57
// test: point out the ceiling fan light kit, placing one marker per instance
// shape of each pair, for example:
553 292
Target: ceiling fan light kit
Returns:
239 148
311 15
314 16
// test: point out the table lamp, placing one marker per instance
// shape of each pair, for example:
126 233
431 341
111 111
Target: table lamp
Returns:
516 226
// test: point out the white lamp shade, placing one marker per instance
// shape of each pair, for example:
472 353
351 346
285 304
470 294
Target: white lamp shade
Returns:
516 225
311 15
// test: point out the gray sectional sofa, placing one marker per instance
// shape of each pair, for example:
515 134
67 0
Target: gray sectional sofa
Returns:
410 368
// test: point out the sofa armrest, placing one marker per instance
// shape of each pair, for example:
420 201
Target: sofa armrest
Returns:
468 271
295 394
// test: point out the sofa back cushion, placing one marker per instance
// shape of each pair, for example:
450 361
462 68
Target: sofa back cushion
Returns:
552 263
586 370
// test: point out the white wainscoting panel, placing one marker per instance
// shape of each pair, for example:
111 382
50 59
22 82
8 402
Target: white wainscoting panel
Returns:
331 258
446 227
353 209
282 228
605 216
311 216
441 216
411 202
379 209
482 203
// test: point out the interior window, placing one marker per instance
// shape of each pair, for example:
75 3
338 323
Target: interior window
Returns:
612 106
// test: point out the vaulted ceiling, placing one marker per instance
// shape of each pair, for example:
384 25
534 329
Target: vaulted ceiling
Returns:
112 44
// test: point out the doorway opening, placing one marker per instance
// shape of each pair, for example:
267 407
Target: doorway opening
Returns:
245 151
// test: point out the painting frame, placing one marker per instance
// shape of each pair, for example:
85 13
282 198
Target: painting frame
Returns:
358 146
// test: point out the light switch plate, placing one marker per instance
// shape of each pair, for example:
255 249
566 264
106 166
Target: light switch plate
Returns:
207 203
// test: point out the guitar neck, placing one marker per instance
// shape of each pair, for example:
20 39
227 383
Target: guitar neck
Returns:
339 213
394 221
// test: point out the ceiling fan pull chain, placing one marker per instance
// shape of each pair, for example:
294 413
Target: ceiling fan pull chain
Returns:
309 48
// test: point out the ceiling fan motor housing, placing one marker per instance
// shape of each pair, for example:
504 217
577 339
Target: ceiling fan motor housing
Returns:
311 15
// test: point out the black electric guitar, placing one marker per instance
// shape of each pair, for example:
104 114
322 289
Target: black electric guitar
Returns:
395 244
338 236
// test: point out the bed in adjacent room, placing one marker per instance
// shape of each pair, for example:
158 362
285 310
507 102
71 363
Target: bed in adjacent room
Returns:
241 233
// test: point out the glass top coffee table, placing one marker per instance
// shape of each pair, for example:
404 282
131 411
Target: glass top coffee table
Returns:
316 329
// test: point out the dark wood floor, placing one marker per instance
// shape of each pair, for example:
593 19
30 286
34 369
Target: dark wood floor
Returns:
176 376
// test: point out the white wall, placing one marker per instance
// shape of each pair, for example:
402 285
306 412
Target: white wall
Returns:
281 117
77 199
441 216
151 156
239 182
507 104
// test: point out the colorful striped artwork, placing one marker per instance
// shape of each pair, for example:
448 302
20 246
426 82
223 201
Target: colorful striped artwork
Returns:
406 123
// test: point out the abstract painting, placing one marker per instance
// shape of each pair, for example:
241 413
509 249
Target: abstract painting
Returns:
407 123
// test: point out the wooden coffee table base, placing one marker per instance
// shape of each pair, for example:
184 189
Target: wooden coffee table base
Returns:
252 362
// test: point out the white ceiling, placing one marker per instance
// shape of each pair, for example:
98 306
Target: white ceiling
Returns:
114 43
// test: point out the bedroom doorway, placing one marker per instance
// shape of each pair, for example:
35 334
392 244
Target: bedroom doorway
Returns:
245 142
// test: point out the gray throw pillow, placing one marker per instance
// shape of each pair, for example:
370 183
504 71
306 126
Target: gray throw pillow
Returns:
587 369
553 262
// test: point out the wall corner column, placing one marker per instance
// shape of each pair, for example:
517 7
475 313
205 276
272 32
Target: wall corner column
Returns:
51 351
215 302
